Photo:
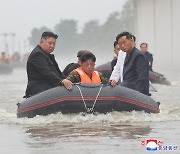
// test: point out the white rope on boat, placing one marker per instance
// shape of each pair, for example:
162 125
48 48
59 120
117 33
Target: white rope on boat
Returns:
89 110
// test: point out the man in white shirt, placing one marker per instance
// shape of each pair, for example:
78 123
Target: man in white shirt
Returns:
135 67
117 73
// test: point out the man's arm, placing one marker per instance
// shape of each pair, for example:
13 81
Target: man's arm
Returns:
116 73
74 77
45 69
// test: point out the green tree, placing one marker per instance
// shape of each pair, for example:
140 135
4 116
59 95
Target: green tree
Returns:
89 36
109 30
36 35
68 36
128 16
95 37
116 23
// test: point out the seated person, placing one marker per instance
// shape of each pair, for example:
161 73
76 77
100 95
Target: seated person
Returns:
70 67
85 73
4 57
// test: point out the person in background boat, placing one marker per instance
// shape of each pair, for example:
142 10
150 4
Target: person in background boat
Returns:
149 56
135 68
70 67
4 57
85 73
16 57
42 69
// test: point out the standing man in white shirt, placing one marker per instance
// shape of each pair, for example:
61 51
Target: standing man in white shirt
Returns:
135 68
117 73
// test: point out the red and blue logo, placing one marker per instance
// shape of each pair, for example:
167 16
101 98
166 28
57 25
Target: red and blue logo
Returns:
158 145
151 145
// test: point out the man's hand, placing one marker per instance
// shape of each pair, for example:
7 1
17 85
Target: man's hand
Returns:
113 83
67 84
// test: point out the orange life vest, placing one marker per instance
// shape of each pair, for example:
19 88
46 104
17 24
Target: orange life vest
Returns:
85 78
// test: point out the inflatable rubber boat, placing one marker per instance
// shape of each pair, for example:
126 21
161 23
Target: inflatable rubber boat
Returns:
86 98
154 77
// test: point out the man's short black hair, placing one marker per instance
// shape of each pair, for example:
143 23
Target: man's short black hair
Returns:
134 38
47 34
115 43
81 52
144 44
88 56
127 34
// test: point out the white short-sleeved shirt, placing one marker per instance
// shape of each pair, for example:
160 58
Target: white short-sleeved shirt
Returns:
117 73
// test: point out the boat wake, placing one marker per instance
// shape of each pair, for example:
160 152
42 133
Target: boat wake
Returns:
172 114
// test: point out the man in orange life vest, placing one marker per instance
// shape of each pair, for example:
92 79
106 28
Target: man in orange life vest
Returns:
85 73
